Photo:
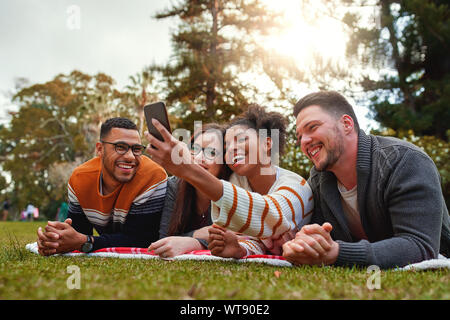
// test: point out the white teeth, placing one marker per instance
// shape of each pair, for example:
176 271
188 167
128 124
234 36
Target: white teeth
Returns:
125 166
238 158
313 153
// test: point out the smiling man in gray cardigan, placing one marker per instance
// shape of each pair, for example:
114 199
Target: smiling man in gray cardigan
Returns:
378 200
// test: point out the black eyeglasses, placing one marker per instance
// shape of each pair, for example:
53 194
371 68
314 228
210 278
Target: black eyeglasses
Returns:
209 152
122 148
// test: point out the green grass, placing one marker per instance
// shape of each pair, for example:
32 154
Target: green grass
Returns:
24 275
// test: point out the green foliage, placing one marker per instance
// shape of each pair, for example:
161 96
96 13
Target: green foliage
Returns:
3 184
412 40
141 91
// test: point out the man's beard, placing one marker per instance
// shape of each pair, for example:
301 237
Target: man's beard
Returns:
114 176
333 153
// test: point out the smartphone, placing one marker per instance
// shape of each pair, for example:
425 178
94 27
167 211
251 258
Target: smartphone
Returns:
156 111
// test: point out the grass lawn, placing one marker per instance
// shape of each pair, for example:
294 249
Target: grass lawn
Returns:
24 275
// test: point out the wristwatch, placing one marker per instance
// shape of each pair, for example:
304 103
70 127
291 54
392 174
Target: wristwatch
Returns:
88 245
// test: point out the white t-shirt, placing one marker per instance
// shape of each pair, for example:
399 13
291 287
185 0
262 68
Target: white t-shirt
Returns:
30 209
349 199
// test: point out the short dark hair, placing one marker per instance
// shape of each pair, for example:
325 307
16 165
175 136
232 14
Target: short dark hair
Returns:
256 117
331 101
117 122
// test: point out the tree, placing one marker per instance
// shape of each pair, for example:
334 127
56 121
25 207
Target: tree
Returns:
142 90
100 101
215 43
3 184
411 43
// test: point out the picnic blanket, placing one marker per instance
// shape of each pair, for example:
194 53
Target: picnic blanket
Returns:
142 253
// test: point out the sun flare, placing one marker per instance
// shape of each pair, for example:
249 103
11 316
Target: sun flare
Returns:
304 38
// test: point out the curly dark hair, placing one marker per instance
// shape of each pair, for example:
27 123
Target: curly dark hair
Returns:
118 122
256 117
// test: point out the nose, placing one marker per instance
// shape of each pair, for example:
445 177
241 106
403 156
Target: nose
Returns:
229 153
305 141
129 155
199 157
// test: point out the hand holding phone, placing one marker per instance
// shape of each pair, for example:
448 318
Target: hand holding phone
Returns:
156 111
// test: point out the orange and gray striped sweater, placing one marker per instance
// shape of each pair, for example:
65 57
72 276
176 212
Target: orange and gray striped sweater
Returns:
127 217
270 220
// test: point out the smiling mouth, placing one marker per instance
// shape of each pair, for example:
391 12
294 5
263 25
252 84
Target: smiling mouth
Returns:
125 166
314 150
238 159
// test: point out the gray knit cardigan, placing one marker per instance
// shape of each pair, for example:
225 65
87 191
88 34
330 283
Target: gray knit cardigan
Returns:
400 201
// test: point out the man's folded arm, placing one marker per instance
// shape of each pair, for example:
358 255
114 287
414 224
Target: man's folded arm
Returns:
140 229
79 220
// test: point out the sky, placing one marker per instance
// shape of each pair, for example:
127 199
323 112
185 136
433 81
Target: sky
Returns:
42 38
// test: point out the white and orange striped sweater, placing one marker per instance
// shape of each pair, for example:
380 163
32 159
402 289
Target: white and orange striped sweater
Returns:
270 219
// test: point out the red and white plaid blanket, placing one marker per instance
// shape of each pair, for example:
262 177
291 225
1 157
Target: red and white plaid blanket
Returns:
142 253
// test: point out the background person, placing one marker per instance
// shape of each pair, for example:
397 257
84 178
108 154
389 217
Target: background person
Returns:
30 212
63 211
36 213
6 207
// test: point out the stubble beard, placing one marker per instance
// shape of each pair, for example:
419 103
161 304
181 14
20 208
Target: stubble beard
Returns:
114 176
333 153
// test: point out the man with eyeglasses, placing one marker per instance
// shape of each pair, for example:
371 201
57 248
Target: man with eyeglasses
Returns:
120 193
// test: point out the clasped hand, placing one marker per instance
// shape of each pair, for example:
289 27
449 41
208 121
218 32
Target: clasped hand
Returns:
59 237
312 245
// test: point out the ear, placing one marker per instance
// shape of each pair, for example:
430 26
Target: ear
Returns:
99 149
347 123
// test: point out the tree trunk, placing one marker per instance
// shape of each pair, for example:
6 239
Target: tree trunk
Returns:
388 22
211 82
